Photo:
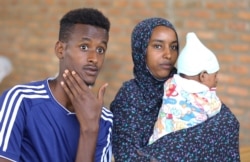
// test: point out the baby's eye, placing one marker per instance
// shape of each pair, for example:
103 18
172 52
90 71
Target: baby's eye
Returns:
100 50
84 47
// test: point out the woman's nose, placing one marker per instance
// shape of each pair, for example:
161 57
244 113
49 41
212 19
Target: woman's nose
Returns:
167 53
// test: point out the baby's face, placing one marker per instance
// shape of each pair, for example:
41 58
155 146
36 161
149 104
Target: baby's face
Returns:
211 80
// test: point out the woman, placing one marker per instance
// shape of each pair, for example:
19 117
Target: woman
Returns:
136 106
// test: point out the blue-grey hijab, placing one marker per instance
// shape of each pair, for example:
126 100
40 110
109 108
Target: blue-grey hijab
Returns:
139 42
148 84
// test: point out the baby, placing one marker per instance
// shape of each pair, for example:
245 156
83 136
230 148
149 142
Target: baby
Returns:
190 96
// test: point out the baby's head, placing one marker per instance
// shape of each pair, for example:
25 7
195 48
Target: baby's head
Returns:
197 62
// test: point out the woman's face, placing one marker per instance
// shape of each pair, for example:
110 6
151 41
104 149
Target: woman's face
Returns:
162 52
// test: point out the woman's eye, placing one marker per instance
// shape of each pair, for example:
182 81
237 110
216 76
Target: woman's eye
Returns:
84 47
174 47
100 50
157 46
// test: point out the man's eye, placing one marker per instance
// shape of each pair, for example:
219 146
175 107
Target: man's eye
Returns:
84 47
100 50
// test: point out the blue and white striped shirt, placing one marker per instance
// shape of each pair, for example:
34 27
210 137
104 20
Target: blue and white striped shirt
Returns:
35 127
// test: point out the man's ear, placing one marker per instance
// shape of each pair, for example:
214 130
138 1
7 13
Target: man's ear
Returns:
59 49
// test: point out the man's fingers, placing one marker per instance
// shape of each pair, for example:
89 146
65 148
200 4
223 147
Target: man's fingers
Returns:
101 92
67 90
79 82
71 82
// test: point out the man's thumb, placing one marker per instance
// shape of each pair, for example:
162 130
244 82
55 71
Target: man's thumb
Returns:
101 91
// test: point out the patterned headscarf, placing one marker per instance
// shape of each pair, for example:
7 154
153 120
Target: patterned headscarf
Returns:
151 87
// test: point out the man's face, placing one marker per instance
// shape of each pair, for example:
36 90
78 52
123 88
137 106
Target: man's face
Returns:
85 51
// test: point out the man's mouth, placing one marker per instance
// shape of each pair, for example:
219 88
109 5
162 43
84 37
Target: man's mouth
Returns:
91 70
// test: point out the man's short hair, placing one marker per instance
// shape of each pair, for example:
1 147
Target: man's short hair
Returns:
88 16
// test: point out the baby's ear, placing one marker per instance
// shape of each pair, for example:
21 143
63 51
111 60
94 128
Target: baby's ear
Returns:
59 49
203 76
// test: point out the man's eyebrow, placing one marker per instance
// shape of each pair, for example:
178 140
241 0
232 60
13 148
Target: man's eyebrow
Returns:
105 43
88 39
85 38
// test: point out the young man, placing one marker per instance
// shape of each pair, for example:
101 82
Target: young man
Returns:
60 119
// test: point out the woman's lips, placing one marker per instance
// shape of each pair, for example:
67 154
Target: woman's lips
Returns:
166 66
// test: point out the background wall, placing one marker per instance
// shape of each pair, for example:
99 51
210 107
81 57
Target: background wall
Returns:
29 30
